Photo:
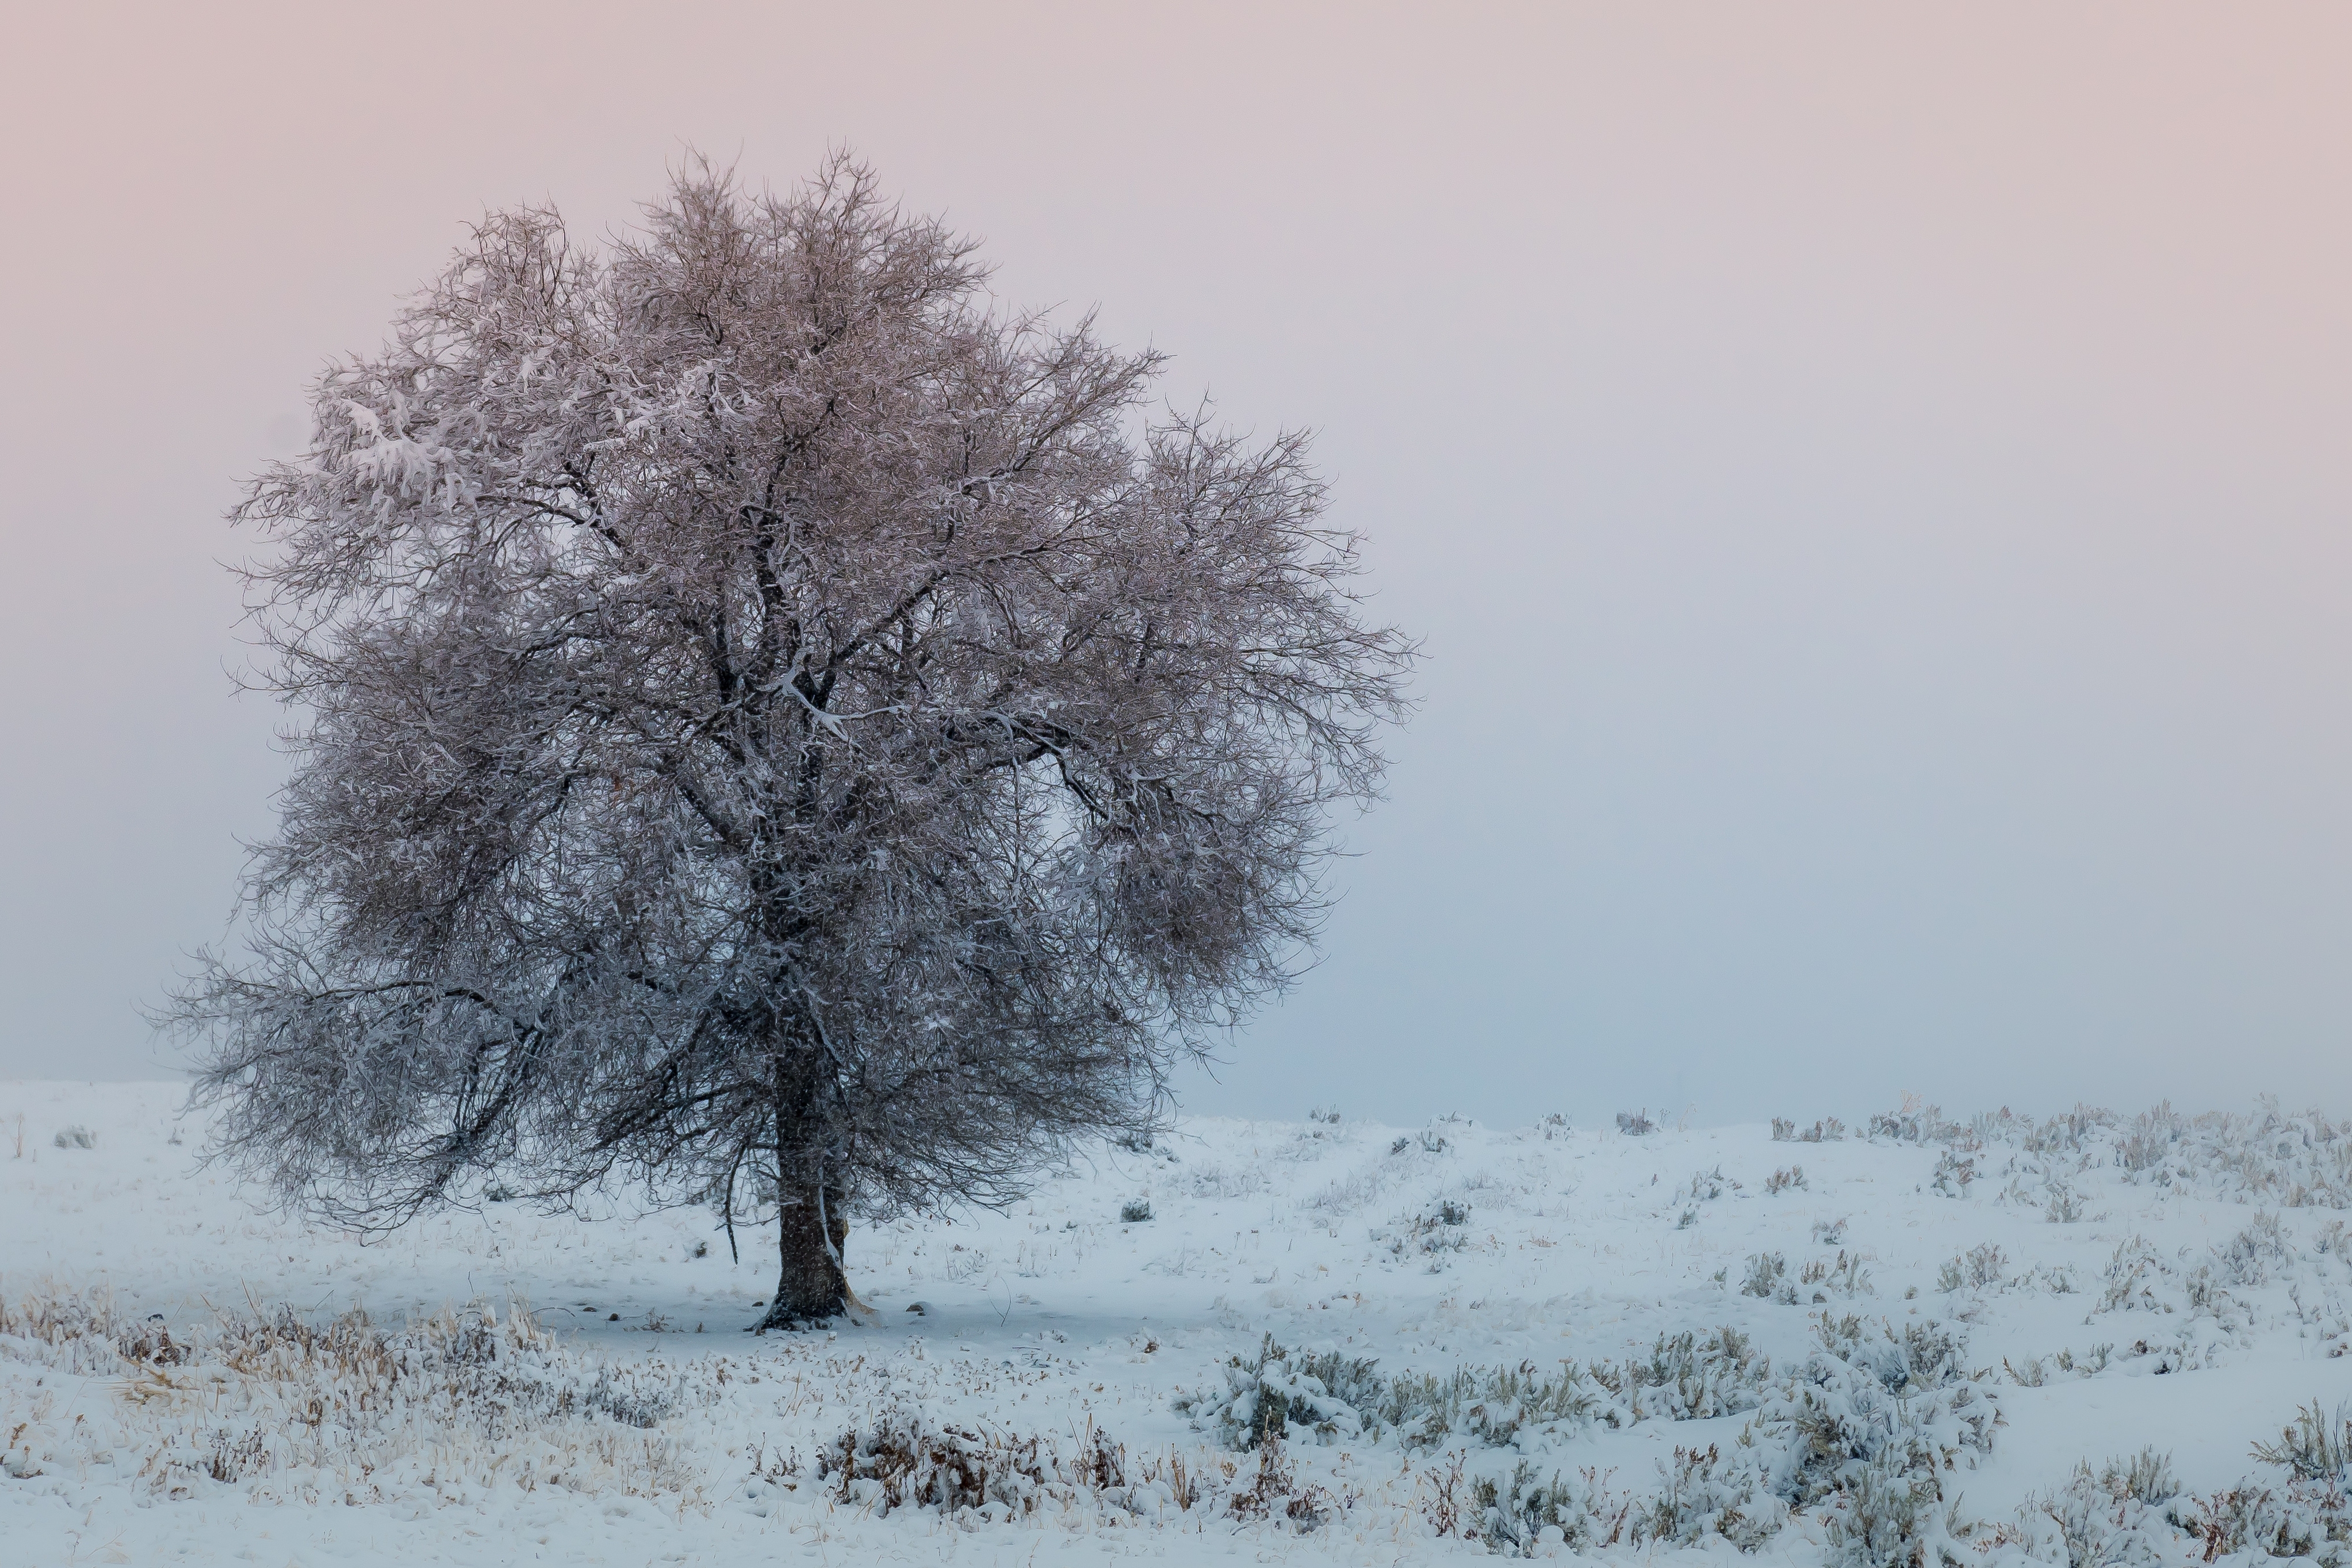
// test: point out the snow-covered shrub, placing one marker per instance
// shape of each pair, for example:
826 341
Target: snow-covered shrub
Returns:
1768 1277
1686 1376
1705 1186
2204 1292
1521 1515
1890 1514
2132 1276
1846 1276
1703 1494
2058 1278
1786 1180
1281 1395
1274 1491
1689 1377
2150 1141
2147 1477
1439 1229
905 1458
2033 1371
1982 1265
2302 1518
1953 1174
1927 1354
1870 1396
1707 1493
1914 1124
2312 1447
2069 1132
1135 1211
1492 1404
1783 1130
1326 1395
2089 1365
2250 1256
1278 1394
76 1136
1635 1123
2027 1372
2113 1518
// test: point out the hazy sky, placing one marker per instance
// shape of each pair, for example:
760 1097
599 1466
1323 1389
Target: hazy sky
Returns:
1872 479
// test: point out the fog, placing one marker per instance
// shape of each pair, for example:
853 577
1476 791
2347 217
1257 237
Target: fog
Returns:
1872 482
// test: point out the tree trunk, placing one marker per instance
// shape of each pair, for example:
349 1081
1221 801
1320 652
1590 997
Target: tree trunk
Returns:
811 1287
812 1219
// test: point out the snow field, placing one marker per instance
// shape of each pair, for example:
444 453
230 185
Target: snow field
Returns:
1331 1342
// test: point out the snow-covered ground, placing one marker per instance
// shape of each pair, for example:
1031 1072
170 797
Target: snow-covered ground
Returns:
1930 1328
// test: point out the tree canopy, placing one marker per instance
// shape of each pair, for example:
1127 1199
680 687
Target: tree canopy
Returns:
771 724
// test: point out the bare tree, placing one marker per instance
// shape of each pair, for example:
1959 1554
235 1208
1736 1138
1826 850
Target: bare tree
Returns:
769 723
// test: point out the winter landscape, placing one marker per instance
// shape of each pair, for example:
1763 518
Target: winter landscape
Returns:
1017 783
2096 1337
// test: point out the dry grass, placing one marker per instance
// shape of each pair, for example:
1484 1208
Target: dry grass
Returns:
458 1403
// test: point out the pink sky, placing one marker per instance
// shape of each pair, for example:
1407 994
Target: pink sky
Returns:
1872 478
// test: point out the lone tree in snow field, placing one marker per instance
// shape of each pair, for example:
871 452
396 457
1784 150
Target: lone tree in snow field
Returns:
772 727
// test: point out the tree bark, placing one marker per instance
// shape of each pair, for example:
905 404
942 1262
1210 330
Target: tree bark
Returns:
809 1285
813 1221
